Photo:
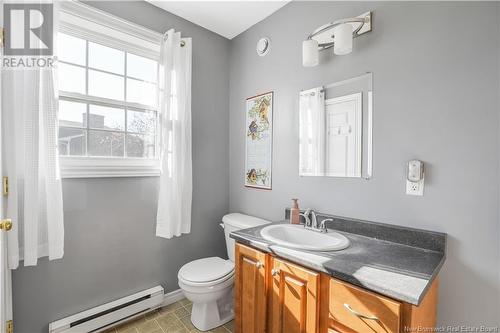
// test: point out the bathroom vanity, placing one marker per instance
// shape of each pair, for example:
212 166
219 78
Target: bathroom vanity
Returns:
385 281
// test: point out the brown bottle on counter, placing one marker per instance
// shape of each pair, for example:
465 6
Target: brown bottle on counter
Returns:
295 212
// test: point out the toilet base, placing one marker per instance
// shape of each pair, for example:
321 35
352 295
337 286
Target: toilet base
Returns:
209 315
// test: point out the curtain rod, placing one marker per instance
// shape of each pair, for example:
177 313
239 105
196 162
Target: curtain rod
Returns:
165 36
98 16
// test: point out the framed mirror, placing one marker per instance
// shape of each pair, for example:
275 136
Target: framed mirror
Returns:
335 129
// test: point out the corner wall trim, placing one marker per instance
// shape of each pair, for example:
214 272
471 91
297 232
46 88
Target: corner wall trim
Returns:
172 297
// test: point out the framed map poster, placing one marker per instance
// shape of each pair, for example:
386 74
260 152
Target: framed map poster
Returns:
259 141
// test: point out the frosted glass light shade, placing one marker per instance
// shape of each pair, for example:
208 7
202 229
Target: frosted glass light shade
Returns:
342 39
310 53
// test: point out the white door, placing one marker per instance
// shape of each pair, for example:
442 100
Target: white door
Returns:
5 273
343 136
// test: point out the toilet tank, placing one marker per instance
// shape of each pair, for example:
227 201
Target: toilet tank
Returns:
237 221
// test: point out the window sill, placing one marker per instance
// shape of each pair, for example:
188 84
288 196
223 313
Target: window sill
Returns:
95 167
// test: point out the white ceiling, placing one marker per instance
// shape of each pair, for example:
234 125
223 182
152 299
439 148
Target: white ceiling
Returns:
226 18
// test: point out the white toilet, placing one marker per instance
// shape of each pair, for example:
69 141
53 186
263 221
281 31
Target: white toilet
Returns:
208 282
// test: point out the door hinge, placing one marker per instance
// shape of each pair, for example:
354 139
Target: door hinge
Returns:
10 326
5 186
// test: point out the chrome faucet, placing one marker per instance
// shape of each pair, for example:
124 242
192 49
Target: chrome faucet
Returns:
311 221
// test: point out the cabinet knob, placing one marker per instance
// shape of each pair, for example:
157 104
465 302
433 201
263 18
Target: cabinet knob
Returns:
259 265
275 272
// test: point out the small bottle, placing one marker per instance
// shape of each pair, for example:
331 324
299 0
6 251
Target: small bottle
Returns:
295 212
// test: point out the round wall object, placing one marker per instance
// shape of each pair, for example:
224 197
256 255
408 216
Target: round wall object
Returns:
263 46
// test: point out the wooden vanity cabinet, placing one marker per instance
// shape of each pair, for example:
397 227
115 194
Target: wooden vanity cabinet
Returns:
276 296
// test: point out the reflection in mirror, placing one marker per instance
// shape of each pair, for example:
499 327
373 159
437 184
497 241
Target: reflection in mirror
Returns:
335 125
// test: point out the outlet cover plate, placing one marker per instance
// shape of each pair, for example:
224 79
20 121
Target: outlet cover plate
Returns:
415 188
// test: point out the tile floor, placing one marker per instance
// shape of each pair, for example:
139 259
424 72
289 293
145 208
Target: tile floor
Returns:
174 318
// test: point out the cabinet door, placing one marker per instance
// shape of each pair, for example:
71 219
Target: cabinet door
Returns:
250 289
294 298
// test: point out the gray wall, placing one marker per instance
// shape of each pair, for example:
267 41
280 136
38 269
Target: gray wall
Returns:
436 86
110 246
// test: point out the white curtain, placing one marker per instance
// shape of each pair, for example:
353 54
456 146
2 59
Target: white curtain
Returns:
31 161
312 120
176 184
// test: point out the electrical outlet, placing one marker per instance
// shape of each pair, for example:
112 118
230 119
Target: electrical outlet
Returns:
415 188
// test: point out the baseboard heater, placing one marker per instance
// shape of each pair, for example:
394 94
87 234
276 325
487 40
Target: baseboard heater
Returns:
104 316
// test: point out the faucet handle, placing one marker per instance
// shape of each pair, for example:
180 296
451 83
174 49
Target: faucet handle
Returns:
322 224
306 217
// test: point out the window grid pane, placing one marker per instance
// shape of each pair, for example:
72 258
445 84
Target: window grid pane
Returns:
142 68
142 122
71 77
72 141
72 114
141 133
106 118
106 143
104 85
114 136
141 92
106 58
71 49
140 145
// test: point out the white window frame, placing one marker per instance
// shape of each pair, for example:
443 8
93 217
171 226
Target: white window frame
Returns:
91 24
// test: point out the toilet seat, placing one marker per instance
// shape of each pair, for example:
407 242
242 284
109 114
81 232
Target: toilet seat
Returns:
206 272
208 283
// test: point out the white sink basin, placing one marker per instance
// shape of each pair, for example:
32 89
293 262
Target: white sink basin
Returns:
297 237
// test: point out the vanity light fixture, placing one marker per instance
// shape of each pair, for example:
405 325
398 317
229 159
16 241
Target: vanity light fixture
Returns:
338 34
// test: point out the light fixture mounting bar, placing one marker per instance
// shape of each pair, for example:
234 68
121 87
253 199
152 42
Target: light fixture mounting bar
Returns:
324 34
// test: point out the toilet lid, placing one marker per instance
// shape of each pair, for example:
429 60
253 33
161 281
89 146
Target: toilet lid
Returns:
206 269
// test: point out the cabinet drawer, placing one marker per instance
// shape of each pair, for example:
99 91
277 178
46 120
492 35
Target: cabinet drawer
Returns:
352 309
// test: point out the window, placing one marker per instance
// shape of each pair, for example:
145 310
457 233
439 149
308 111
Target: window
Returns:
107 101
108 77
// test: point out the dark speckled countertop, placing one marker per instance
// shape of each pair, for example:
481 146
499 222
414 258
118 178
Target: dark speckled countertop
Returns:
394 261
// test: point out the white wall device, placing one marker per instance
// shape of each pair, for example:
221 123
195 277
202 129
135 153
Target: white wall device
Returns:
415 178
263 46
